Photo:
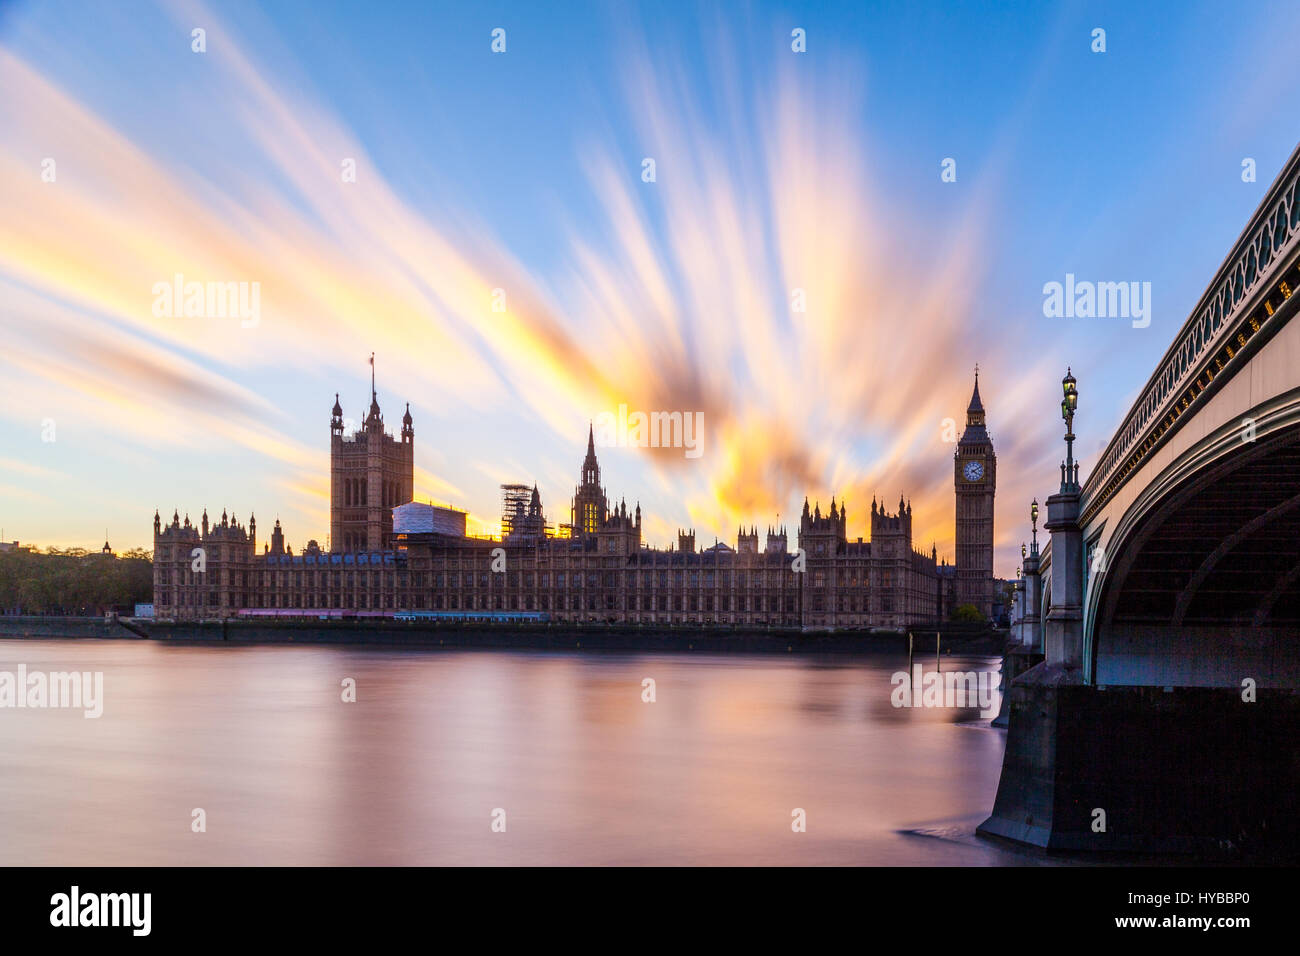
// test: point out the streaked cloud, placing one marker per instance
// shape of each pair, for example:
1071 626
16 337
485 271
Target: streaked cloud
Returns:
678 297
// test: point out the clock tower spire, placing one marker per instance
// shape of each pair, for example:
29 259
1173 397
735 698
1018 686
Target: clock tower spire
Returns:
975 480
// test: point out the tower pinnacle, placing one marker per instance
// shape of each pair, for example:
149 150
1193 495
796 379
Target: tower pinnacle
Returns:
374 417
975 404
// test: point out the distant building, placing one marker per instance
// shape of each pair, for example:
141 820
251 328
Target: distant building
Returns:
371 473
947 590
1003 599
390 556
417 518
975 469
590 507
601 573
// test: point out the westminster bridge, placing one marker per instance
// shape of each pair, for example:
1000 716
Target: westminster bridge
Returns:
1154 699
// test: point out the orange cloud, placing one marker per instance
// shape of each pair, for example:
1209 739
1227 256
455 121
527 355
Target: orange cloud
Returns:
757 281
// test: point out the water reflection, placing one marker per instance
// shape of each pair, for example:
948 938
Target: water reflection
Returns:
587 773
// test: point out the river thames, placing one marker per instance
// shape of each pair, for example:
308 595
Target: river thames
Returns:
437 743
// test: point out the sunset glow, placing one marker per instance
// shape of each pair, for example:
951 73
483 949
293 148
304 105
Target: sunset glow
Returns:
776 181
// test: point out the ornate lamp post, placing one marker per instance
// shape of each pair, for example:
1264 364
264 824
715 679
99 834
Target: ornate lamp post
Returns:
1031 635
1063 630
1034 524
1070 402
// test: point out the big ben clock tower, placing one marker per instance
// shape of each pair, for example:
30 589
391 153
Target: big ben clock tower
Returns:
975 476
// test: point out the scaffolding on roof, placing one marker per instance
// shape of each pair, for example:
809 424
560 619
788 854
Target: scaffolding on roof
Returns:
514 507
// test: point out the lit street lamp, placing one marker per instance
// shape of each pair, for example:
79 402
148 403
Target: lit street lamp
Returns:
1069 403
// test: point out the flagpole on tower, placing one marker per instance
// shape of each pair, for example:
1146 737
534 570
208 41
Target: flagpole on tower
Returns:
372 375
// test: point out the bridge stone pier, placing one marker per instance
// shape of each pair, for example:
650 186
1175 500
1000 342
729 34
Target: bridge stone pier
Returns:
1025 649
1165 713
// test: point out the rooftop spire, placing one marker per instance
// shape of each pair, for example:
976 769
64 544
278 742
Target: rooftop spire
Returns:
975 404
374 415
591 467
975 432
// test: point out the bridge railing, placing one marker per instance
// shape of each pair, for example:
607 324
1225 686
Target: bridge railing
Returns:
1245 293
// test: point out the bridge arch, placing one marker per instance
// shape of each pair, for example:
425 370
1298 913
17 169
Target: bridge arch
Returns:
1202 587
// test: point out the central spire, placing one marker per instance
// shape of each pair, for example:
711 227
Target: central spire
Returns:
975 404
591 467
975 432
374 396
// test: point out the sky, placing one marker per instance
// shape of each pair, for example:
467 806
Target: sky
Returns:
800 272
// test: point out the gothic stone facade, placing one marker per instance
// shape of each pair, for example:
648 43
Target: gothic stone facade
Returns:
604 576
975 472
371 473
601 572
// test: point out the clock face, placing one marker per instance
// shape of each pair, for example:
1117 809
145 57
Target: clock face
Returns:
973 471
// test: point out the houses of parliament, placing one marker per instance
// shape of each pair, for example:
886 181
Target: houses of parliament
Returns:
392 557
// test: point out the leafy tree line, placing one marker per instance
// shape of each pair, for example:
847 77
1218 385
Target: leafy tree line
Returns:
73 581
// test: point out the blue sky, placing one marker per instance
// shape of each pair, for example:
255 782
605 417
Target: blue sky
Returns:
522 171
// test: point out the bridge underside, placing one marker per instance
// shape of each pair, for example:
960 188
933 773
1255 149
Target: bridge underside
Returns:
1207 591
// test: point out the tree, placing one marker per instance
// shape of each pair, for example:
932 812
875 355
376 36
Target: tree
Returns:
72 581
968 612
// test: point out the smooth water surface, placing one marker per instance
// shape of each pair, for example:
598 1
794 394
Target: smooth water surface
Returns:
586 771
